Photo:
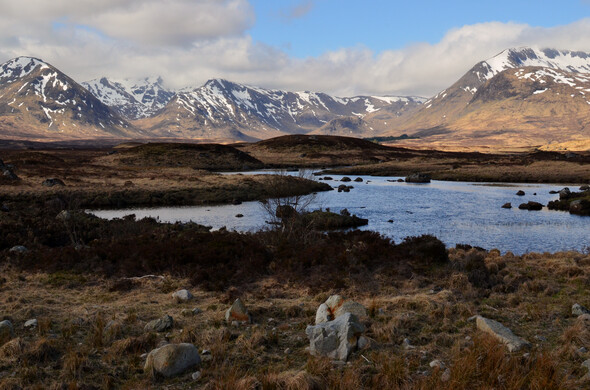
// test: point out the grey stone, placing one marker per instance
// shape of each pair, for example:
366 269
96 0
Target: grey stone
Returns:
502 333
565 193
18 249
31 324
351 307
578 309
172 359
437 363
182 296
322 314
196 375
6 329
446 375
160 325
407 344
363 342
335 339
237 312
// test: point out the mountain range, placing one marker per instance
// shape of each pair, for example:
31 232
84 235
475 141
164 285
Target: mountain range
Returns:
520 97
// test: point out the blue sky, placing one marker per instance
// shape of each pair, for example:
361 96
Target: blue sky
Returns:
341 47
391 24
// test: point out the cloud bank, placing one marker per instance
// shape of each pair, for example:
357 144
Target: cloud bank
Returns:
190 41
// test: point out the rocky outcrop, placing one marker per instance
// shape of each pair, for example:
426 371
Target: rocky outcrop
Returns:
502 333
418 178
531 206
335 339
172 359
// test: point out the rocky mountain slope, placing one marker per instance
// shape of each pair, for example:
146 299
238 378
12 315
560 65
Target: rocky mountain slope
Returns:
131 98
519 97
38 102
223 109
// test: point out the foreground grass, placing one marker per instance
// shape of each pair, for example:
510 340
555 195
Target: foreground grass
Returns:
91 311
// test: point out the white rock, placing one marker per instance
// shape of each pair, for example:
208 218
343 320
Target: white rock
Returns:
196 375
172 359
237 312
322 314
335 339
437 363
578 309
182 296
502 333
31 324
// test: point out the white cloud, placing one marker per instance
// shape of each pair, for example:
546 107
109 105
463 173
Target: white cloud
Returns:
190 41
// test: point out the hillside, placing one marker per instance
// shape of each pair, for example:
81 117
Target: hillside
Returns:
521 97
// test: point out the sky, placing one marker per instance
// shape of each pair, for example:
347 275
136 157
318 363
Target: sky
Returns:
341 47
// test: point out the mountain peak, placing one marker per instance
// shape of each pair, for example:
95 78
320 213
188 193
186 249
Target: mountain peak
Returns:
20 67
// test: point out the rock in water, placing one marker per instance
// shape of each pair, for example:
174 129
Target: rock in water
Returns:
237 312
172 359
502 333
418 178
182 295
520 193
507 205
531 206
335 339
160 325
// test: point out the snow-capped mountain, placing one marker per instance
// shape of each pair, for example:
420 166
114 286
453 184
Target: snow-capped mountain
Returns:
131 98
38 101
506 98
225 109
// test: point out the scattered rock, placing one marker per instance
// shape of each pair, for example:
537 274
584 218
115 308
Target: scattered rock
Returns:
438 364
160 325
521 193
502 333
400 180
418 178
345 179
565 193
344 188
7 171
31 324
335 339
578 309
196 375
358 179
328 178
239 215
237 312
407 344
582 350
53 182
390 220
446 375
18 249
363 342
531 206
172 359
585 187
182 296
507 205
6 330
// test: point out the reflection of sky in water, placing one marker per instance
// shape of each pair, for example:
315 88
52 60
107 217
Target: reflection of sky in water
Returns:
455 212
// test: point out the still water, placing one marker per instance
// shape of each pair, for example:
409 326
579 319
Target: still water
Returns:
455 212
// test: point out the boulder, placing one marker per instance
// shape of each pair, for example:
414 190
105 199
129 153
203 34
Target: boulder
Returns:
418 178
507 205
335 306
580 207
335 339
502 333
237 312
358 179
53 182
345 179
531 206
160 325
6 330
565 193
18 249
182 296
521 193
585 187
578 309
172 359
